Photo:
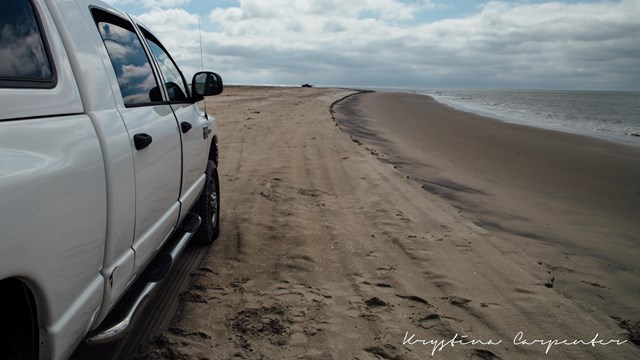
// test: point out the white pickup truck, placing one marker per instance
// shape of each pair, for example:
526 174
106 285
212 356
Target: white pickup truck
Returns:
106 163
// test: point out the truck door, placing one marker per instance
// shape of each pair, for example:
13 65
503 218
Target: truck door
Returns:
193 126
153 132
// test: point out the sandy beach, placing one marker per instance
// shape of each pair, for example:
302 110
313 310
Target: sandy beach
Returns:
392 227
571 201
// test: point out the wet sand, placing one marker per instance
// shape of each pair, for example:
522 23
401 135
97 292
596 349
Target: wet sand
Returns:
572 202
328 251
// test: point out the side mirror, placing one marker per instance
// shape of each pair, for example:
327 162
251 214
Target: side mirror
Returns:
206 83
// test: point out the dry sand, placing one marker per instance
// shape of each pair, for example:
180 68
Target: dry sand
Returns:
326 252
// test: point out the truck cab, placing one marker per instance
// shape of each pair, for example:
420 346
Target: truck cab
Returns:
104 156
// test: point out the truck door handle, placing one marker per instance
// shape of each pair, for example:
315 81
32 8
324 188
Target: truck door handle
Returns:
142 140
185 126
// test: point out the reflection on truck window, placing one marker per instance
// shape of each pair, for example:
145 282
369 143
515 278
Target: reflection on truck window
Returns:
135 77
173 79
21 47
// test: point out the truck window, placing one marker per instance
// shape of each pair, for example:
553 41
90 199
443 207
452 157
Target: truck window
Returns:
25 57
136 79
173 79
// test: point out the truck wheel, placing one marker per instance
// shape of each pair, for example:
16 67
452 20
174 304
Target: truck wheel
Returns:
18 321
208 207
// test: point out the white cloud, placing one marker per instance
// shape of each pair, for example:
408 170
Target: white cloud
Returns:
287 9
169 20
552 40
382 42
177 29
151 3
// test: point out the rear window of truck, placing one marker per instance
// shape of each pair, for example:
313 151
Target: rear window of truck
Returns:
26 61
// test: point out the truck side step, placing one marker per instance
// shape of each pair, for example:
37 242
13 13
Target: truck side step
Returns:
152 276
191 223
158 268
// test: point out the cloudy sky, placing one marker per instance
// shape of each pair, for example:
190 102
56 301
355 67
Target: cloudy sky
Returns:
581 45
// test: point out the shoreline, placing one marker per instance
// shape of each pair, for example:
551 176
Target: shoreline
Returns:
623 138
626 139
562 195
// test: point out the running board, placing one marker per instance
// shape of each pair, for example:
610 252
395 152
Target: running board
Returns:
152 275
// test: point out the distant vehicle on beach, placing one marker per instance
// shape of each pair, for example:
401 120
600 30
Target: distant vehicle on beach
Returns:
306 85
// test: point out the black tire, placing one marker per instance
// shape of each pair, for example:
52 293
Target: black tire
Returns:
208 207
18 322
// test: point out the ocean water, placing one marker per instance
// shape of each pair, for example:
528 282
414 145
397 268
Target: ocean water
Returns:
613 116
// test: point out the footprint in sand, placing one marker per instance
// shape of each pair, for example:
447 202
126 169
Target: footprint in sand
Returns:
429 321
300 294
366 287
487 305
373 255
269 322
594 284
456 300
375 302
310 192
524 291
296 263
185 333
384 273
420 253
414 298
384 285
386 352
480 354
555 268
240 283
194 296
400 215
